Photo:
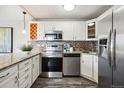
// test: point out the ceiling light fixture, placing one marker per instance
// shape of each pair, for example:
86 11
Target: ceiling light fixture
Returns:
24 29
69 7
91 24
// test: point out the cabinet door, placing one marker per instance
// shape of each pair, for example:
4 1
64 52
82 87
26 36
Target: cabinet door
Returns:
95 75
35 68
11 82
104 24
52 25
91 29
82 71
68 31
79 31
86 65
41 31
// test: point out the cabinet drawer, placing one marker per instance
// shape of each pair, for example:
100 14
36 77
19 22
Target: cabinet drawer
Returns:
24 71
36 58
24 64
26 84
23 79
11 82
8 72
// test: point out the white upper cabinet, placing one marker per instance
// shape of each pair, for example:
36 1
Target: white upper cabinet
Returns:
72 30
52 25
79 31
104 24
41 31
91 29
68 31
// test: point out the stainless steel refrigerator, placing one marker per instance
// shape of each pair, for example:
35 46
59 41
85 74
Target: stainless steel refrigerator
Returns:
111 49
6 40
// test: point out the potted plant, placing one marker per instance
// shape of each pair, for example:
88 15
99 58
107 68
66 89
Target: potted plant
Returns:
27 48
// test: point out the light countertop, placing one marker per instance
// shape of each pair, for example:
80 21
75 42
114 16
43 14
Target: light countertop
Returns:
74 52
80 52
10 59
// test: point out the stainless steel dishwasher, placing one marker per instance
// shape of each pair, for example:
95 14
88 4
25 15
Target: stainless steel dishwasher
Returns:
71 64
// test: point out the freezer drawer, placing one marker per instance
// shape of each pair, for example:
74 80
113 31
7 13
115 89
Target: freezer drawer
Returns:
71 65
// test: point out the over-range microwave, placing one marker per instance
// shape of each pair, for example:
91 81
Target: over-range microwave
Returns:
55 35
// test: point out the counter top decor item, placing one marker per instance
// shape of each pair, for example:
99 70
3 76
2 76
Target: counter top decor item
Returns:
26 47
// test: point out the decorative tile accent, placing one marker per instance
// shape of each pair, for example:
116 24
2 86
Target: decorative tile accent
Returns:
84 46
33 31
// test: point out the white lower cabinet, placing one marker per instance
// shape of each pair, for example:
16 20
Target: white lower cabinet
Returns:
21 75
86 65
95 68
35 68
30 71
89 66
9 78
11 82
25 73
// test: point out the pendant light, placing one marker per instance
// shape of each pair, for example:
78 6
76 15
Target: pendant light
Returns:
69 7
24 29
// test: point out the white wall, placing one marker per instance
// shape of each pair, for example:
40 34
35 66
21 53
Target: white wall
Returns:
11 16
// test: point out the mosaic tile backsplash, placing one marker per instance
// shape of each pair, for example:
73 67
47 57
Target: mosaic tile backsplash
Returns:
84 46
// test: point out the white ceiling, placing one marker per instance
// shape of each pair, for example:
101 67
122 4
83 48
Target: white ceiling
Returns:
40 12
12 12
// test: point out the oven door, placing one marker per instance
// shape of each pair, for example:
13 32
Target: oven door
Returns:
52 64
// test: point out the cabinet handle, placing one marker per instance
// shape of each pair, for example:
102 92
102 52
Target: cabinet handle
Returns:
26 85
16 79
26 63
26 70
36 58
75 37
26 76
33 65
4 75
82 61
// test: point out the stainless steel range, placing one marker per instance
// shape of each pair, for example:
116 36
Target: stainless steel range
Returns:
52 59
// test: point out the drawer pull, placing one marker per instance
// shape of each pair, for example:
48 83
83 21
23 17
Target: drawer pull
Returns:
26 70
27 86
37 58
26 63
5 75
33 65
82 61
26 76
16 79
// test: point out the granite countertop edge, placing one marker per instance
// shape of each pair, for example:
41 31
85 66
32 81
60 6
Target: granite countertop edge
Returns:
32 54
28 56
81 52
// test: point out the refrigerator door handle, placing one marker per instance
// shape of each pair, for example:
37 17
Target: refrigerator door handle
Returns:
109 47
114 49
